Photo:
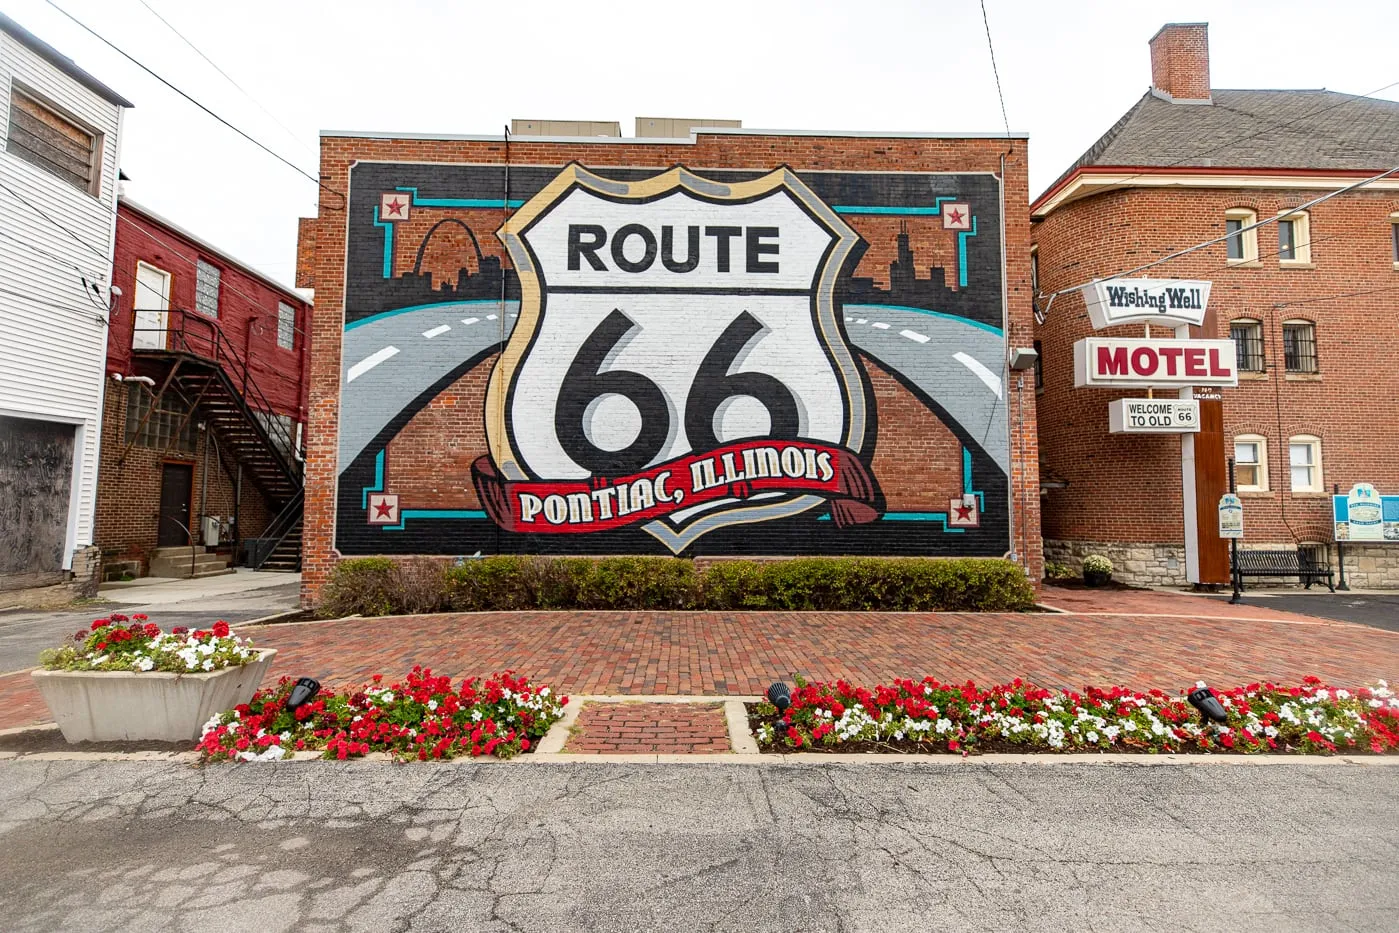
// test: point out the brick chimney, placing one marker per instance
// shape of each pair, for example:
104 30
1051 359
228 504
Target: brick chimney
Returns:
1180 63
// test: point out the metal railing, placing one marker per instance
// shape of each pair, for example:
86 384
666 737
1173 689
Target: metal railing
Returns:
198 335
261 547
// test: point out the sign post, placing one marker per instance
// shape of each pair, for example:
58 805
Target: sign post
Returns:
1231 527
1340 544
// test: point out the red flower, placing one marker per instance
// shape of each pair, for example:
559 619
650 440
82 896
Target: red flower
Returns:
99 623
101 646
179 630
221 629
152 630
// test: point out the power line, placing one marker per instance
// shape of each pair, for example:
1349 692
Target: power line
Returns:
30 296
54 256
267 149
225 74
38 210
994 70
1308 301
1220 239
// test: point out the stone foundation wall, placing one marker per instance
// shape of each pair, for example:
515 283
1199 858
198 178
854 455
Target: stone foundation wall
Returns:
1132 563
1368 567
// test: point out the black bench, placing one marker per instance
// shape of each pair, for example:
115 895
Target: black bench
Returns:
1308 565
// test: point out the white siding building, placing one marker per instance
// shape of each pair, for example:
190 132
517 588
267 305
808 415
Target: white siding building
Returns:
59 146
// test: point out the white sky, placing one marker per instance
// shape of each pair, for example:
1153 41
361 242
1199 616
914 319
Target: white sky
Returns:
1069 69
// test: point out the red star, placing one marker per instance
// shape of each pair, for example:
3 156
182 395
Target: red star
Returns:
395 207
955 216
964 512
383 510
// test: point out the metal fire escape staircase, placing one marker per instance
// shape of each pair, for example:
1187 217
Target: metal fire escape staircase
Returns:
200 363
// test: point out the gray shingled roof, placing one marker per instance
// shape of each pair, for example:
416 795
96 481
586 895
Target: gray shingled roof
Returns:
1254 129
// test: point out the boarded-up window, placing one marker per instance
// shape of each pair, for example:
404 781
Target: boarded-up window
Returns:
39 135
206 289
286 326
36 473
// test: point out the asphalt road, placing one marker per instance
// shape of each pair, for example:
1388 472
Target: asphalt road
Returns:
25 633
314 846
1378 610
391 359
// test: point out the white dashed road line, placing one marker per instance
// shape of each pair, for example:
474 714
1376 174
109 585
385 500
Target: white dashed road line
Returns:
992 381
436 331
468 321
914 336
880 324
369 362
490 317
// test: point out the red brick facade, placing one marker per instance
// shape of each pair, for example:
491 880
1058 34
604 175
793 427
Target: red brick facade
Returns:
906 480
1127 488
129 479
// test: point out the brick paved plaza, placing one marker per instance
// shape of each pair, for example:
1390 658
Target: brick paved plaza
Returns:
1167 641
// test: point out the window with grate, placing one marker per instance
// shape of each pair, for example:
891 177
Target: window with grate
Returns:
286 326
163 426
39 135
206 289
1248 341
1299 346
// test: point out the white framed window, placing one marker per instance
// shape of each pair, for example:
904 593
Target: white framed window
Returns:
1242 245
1394 237
286 326
206 288
1304 457
1294 239
43 135
1251 463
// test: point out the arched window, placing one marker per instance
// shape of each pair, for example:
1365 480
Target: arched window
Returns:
1242 245
1247 334
1304 456
1299 346
1251 463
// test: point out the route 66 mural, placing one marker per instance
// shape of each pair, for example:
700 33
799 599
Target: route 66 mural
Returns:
620 360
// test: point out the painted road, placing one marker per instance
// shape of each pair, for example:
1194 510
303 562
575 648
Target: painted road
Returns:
391 358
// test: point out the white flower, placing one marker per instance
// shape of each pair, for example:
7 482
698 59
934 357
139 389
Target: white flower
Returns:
432 705
1343 694
208 665
145 664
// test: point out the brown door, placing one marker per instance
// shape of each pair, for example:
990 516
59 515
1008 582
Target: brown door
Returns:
176 483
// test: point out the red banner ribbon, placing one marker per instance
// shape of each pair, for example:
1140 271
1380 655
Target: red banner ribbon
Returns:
733 471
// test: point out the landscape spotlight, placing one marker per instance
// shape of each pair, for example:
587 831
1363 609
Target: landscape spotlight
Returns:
1207 704
304 692
779 696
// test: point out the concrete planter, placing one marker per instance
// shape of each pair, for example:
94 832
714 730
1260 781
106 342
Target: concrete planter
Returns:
113 706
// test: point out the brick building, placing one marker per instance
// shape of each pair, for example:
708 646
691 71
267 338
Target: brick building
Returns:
733 342
205 407
1307 301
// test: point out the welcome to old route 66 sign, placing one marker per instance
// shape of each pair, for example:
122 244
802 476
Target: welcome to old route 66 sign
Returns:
677 362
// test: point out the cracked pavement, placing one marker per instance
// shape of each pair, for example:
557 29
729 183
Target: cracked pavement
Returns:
158 845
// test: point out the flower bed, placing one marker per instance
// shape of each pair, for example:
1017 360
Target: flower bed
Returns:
928 716
119 643
419 718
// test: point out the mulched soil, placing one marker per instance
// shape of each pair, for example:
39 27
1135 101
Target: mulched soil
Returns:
1076 583
33 741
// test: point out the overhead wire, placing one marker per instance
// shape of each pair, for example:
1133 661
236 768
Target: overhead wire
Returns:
263 146
211 63
40 211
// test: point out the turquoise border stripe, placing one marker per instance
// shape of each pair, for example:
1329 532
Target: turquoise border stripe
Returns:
388 243
867 209
498 203
378 480
406 514
962 253
967 481
911 517
435 304
989 328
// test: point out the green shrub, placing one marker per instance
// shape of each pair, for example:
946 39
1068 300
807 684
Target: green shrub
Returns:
380 586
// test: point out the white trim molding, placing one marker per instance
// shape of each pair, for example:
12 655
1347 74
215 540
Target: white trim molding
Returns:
1087 184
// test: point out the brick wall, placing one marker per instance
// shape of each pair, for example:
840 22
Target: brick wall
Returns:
1180 61
1126 488
128 501
322 248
